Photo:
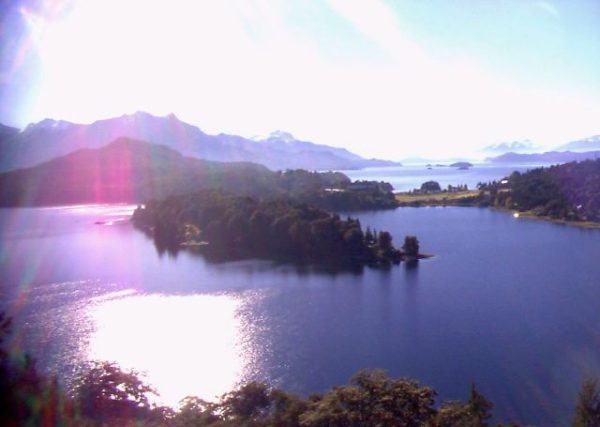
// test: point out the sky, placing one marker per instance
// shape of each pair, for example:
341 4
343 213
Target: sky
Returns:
387 79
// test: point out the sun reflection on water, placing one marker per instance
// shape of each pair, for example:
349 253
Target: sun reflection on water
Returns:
183 344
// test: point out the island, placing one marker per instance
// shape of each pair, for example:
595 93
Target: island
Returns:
227 227
462 165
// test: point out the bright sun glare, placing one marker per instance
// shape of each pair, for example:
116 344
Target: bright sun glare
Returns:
142 331
335 72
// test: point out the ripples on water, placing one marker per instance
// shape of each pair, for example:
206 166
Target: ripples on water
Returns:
183 344
202 337
510 304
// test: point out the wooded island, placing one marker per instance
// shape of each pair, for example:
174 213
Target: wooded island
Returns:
229 227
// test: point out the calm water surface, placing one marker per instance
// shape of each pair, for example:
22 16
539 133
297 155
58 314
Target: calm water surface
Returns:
405 178
512 305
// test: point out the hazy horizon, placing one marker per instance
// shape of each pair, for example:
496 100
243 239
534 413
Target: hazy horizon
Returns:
382 79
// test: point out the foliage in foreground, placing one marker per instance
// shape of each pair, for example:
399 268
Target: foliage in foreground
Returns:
107 396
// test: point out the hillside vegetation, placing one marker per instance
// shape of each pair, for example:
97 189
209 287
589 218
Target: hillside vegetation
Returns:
569 192
134 171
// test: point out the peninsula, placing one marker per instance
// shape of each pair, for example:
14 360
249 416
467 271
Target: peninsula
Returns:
567 193
228 227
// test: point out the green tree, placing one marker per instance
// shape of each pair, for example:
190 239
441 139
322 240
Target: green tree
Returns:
195 412
354 239
431 187
369 235
106 392
411 246
247 403
587 411
479 407
453 414
286 409
384 241
26 397
372 399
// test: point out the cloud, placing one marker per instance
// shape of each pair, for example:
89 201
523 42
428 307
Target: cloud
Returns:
377 21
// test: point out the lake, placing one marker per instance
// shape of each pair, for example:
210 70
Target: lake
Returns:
405 178
510 304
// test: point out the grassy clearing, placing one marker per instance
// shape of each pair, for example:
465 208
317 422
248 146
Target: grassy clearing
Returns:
435 198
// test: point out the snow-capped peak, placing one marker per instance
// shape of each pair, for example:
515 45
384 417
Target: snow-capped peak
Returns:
48 124
278 135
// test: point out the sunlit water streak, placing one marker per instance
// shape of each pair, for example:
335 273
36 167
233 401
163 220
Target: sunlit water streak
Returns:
525 334
182 344
202 336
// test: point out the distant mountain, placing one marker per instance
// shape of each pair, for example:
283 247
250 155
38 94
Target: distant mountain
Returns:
128 171
50 138
7 132
586 144
511 146
462 165
547 157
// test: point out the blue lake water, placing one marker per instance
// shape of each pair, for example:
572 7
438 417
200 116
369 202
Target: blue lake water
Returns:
510 304
405 178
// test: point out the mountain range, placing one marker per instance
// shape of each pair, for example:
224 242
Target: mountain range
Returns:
527 152
49 138
512 146
547 157
586 144
7 132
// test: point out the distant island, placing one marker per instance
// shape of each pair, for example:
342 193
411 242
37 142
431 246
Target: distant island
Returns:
568 193
462 165
228 227
132 171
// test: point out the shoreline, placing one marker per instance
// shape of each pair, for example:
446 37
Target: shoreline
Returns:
465 199
587 225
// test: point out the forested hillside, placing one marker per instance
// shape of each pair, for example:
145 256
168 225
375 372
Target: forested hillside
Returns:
570 191
134 171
